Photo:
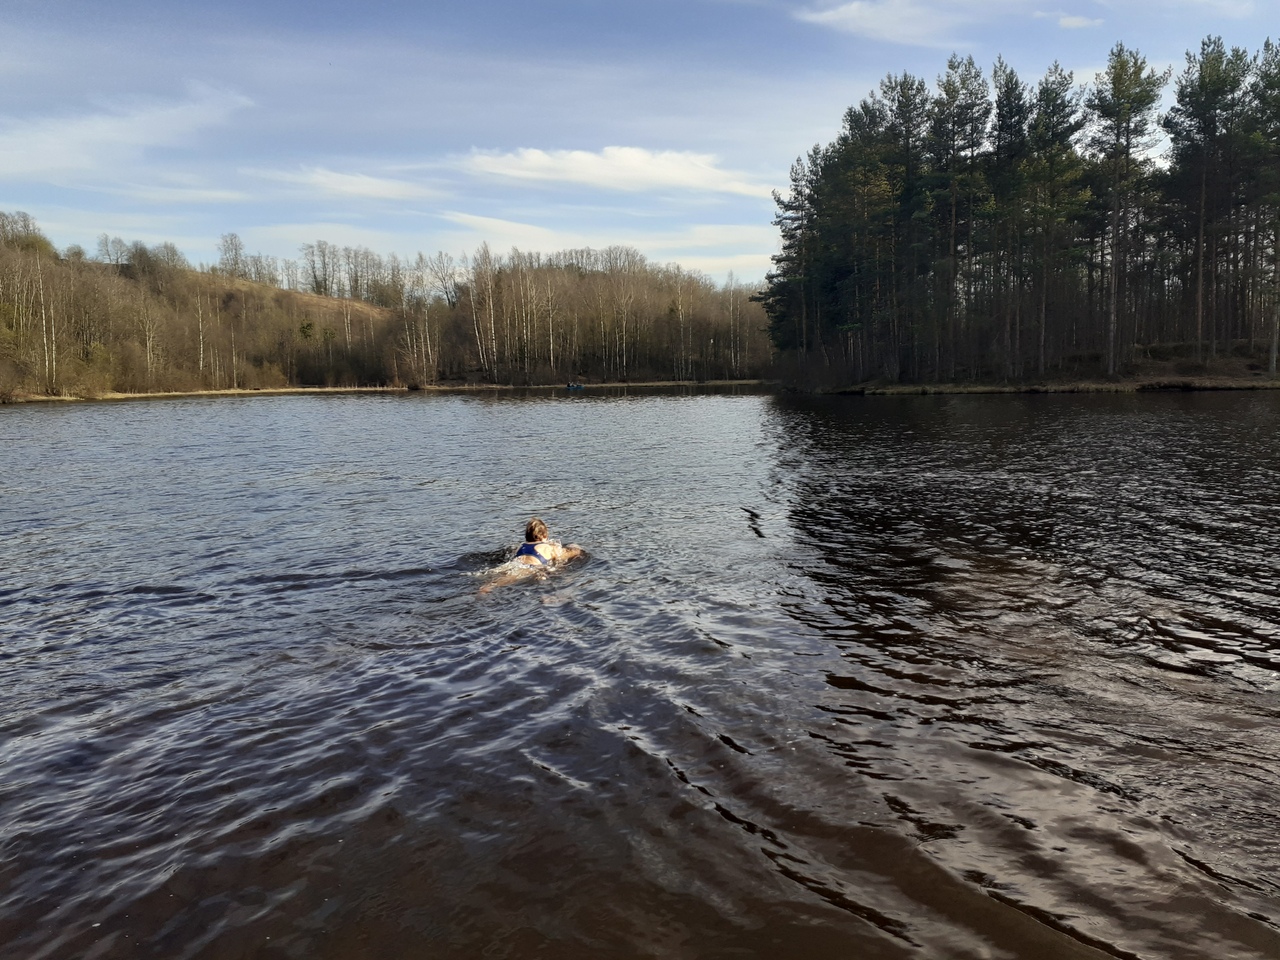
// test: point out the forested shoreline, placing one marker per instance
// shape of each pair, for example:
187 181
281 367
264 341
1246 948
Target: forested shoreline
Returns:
977 232
137 319
1008 232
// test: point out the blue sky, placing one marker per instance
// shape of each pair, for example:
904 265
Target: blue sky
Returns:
411 126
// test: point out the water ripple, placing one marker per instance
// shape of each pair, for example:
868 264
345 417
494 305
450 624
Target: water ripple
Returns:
877 677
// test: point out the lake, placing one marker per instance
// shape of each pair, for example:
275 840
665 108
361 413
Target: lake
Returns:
874 677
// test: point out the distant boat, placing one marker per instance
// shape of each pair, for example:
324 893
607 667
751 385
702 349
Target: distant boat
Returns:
573 386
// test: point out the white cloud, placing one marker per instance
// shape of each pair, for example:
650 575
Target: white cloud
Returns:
1068 21
151 193
912 22
501 233
618 168
99 144
943 24
359 185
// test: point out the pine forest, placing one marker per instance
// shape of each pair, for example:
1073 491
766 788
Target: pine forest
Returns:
1002 230
982 230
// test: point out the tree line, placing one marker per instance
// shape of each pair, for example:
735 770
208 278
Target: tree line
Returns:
137 318
1006 230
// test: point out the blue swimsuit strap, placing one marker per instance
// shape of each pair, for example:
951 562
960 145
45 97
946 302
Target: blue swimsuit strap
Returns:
528 549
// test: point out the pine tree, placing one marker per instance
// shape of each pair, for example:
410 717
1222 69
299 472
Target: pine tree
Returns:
1122 101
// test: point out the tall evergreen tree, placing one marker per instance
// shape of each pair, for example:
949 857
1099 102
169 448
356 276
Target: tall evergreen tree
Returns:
907 120
787 295
1010 145
1057 196
1265 123
1206 129
1122 101
958 117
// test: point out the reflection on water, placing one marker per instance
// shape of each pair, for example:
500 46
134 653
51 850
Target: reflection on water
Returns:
873 677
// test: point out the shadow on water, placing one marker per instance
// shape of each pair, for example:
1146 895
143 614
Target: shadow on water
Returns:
1058 659
873 677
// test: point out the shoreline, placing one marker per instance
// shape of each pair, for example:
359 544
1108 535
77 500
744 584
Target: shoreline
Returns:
113 397
1137 385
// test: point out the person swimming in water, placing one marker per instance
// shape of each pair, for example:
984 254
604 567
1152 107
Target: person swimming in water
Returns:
537 549
536 552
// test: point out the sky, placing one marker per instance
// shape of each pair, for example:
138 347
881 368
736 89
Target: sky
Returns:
409 127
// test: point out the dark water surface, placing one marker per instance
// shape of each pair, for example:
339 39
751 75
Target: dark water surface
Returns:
921 677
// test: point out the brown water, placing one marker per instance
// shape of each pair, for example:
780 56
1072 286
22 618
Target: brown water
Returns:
878 677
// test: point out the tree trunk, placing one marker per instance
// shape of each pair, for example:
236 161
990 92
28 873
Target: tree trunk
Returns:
1114 288
1275 309
1204 174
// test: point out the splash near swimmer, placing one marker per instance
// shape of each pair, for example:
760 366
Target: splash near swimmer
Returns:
538 554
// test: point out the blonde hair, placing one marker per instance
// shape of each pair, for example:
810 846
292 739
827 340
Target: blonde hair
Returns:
535 530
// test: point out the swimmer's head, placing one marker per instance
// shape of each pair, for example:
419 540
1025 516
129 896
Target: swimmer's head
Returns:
535 530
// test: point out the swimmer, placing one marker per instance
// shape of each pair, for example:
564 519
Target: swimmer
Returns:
536 552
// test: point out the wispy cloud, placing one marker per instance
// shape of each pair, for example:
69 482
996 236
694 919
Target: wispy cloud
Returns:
1078 23
501 232
152 193
927 23
355 185
99 144
618 168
